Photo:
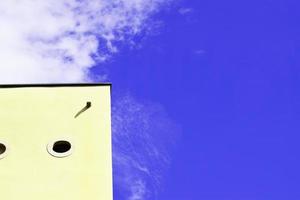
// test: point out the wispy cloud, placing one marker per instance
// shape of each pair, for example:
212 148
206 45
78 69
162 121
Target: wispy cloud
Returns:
59 41
185 11
200 52
144 137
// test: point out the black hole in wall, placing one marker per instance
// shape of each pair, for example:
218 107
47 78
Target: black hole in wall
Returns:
2 148
61 146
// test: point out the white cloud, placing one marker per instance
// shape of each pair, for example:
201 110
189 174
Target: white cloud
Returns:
59 41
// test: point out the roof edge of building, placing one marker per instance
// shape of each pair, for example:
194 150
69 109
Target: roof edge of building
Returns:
54 85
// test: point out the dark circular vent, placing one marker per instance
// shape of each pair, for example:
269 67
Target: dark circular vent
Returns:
61 146
2 148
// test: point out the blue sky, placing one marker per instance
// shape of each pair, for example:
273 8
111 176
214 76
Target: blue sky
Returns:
205 92
228 73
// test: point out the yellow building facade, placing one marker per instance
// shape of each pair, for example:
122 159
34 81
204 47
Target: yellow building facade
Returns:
55 142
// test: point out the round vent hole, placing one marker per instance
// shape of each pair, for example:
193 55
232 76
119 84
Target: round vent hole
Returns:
2 148
61 146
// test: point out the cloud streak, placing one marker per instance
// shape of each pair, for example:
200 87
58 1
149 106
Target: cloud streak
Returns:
143 138
60 41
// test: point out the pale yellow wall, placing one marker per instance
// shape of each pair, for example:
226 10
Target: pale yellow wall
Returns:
30 118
